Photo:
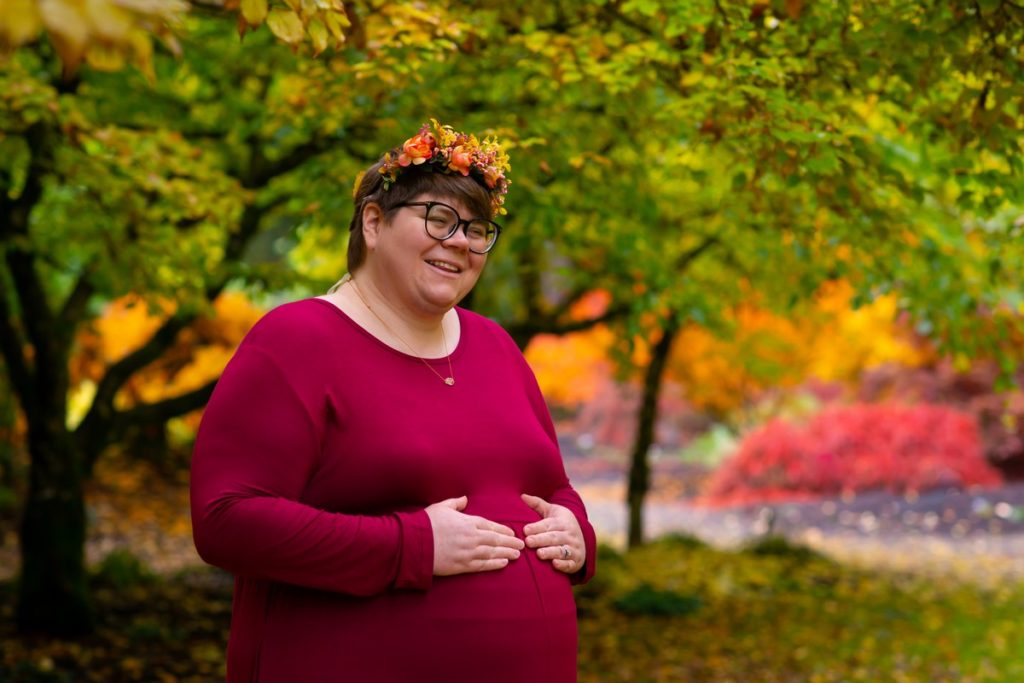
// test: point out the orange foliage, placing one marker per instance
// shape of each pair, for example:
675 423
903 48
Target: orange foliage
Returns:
198 355
572 368
830 341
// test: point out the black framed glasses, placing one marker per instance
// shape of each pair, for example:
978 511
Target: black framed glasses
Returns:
442 221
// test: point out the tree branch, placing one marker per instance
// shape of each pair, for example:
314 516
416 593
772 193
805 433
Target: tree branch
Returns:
261 170
149 413
689 257
12 346
525 330
73 310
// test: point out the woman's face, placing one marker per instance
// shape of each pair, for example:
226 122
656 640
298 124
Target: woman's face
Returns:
416 271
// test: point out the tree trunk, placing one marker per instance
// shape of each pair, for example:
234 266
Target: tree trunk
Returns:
639 468
53 596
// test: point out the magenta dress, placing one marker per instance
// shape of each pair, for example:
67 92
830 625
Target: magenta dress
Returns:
315 459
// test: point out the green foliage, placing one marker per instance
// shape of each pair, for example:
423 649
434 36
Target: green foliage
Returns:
780 546
683 540
645 600
122 569
30 672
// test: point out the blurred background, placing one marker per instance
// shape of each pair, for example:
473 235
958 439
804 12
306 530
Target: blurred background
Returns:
764 257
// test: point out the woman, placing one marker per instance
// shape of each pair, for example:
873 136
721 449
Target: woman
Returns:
378 468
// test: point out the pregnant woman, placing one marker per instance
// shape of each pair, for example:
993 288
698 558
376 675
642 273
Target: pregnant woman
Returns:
377 466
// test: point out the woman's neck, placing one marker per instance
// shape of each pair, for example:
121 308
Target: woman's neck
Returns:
428 336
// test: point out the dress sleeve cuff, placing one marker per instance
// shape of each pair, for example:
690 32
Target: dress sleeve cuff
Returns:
586 572
416 554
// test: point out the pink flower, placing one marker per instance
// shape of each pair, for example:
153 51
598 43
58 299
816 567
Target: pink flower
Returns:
417 149
491 176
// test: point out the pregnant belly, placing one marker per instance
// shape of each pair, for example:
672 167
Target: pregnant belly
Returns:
513 624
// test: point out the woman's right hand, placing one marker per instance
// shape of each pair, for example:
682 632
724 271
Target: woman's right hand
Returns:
467 543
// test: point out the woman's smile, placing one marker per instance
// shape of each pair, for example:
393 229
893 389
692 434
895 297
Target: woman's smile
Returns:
446 267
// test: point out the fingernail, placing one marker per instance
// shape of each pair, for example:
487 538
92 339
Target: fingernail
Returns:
515 555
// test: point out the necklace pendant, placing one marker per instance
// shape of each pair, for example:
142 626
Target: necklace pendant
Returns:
449 381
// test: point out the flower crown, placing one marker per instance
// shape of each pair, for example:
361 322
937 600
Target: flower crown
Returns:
448 151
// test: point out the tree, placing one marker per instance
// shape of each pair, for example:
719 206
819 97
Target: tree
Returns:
110 185
782 143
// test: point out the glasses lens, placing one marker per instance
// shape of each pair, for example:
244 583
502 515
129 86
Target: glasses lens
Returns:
481 235
441 221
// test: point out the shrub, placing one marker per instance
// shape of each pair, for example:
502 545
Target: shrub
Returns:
780 546
646 600
122 569
849 449
975 390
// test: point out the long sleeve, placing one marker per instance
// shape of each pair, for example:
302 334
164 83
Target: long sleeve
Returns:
256 448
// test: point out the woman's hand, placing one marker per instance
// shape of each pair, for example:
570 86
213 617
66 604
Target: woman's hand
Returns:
466 543
557 537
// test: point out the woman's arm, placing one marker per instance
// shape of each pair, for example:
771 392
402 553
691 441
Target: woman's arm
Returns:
255 450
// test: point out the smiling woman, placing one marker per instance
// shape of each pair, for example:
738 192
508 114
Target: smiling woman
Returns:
377 466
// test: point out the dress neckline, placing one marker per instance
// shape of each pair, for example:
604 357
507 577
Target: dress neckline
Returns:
452 354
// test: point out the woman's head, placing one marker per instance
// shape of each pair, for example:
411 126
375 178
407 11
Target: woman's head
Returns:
412 184
437 162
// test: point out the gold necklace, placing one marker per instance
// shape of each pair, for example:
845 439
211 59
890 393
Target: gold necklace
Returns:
450 379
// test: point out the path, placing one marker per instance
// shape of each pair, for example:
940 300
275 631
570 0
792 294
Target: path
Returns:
976 535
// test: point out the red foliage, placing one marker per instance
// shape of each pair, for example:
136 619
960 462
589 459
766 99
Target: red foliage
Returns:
1000 414
855 448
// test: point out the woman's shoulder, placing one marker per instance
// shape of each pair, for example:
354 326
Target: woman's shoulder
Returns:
295 327
483 325
489 329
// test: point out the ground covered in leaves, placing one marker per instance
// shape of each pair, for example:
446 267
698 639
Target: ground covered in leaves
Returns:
673 611
679 611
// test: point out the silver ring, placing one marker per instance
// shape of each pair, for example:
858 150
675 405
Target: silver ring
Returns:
566 552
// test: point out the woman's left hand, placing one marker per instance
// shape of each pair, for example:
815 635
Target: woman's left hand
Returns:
557 537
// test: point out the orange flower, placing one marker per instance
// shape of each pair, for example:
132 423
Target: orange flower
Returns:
417 149
461 159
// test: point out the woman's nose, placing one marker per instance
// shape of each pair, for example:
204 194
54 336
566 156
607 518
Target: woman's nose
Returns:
459 238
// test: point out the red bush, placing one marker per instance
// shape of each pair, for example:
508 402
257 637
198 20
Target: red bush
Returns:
854 448
1000 414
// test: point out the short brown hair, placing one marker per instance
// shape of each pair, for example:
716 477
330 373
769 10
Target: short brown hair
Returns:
411 183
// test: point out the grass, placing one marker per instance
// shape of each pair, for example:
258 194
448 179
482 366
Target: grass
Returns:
778 614
675 610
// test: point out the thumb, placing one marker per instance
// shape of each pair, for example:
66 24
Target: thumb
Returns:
456 503
539 505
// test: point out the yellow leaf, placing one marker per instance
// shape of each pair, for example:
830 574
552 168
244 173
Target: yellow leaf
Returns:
105 57
67 25
108 21
318 33
339 12
692 78
336 27
254 11
286 25
19 21
142 45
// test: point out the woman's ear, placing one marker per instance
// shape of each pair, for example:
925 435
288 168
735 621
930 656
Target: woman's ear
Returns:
373 223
